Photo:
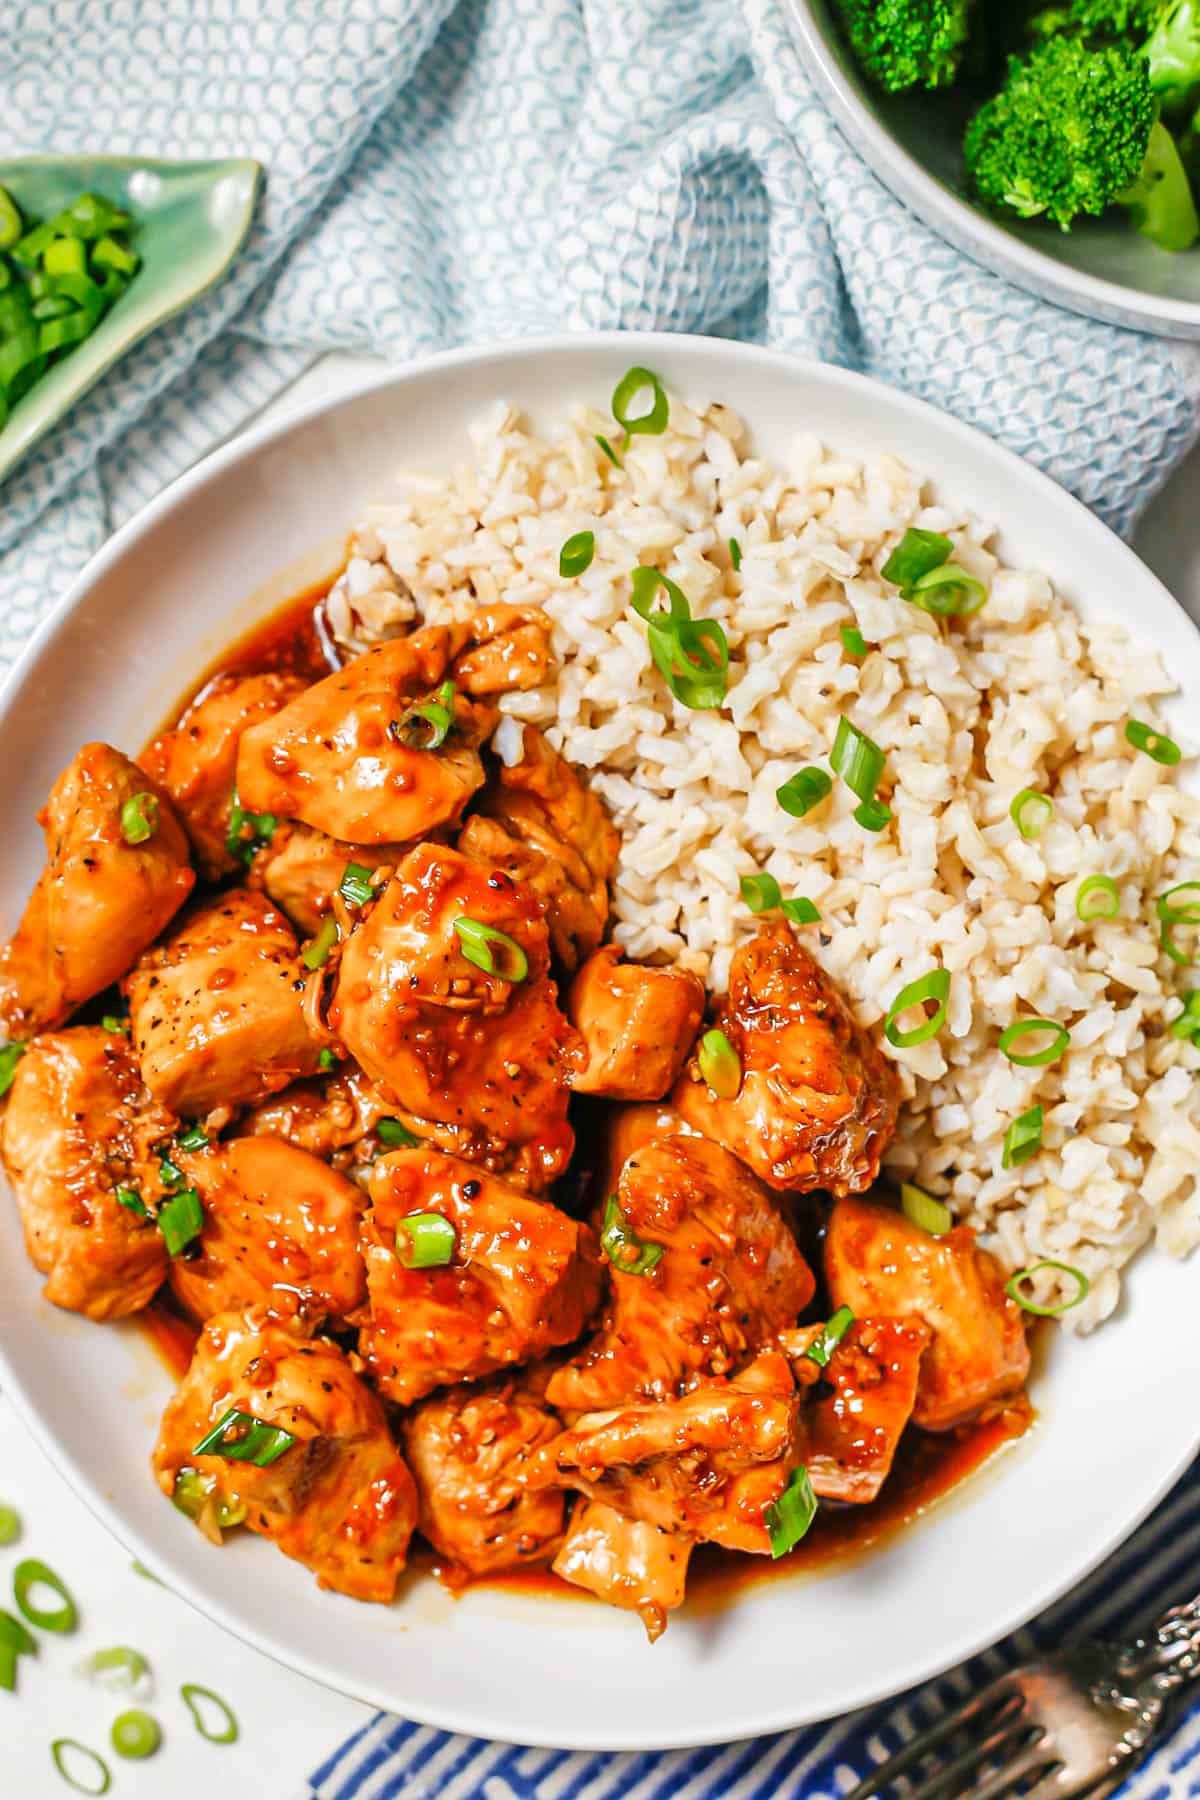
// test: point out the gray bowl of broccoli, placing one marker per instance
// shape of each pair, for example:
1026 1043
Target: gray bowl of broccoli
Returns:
1056 143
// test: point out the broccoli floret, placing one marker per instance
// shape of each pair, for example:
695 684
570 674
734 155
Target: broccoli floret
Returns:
1160 200
1105 21
1173 52
907 43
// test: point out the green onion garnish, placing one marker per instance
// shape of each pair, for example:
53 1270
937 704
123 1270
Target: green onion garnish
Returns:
1034 1059
132 1201
1097 897
139 818
425 1241
15 1642
118 1667
239 1437
30 1574
1166 938
873 815
1013 1289
10 1056
10 1525
392 1131
787 1519
917 553
1186 912
326 1061
170 1173
800 911
652 423
933 986
427 724
1023 1138
180 1219
193 1492
922 1210
853 641
115 1023
804 790
720 1064
490 950
735 554
194 1138
1187 1025
832 1333
190 1693
628 1253
856 759
576 554
355 886
608 450
1031 812
135 1734
645 583
248 831
315 953
762 893
947 592
101 1779
692 655
1156 744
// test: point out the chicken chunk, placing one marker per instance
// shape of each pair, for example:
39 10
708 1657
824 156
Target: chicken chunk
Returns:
301 869
730 1277
484 1053
508 650
339 1499
196 761
708 1465
524 1277
817 1103
100 899
279 1225
637 1024
79 1127
322 1116
215 1009
625 1562
469 1449
879 1264
867 1394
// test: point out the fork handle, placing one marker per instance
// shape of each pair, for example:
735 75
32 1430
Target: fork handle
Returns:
1166 1653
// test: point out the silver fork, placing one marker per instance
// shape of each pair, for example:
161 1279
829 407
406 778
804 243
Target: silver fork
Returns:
1067 1725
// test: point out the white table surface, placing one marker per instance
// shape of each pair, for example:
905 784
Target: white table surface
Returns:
288 1724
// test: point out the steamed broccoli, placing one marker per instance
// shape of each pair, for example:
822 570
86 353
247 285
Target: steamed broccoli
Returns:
907 43
1103 20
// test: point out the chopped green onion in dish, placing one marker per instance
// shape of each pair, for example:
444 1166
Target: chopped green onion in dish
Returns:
191 1694
139 818
832 1333
921 1209
194 1138
355 886
425 1241
119 1666
32 1574
873 815
115 1023
1023 1138
628 1253
10 1056
317 951
180 1218
132 1201
65 1751
193 1493
645 583
169 1173
326 1061
1187 1025
576 554
804 790
692 655
735 554
396 1133
652 422
948 592
1031 812
801 911
917 553
428 723
1060 1037
135 1734
934 986
720 1064
10 1525
762 893
1183 912
788 1519
1097 897
248 831
853 641
1155 744
490 950
608 450
857 759
239 1437
1013 1288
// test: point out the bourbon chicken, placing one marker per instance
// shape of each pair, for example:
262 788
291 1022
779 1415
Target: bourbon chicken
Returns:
322 1039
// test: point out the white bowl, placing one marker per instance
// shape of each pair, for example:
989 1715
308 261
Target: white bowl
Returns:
149 612
913 143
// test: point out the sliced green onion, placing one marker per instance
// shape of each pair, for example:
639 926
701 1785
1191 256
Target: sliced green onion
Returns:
10 1056
873 815
135 1734
8 1668
1185 913
490 950
1013 1289
1156 744
947 592
30 1574
194 1138
916 555
735 554
934 986
1097 897
645 583
787 1519
832 1333
193 1492
10 1525
853 641
139 818
98 1769
857 759
140 1568
326 1061
1023 1138
239 1437
652 423
692 655
628 1253
132 1201
425 1241
922 1210
393 1131
190 1693
1187 1025
316 953
608 450
14 1636
801 911
248 831
576 554
720 1064
355 887
120 1666
115 1023
180 1219
762 893
428 724
804 790
1031 812
1034 1059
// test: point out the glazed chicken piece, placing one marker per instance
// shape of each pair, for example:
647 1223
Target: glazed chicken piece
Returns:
322 1116
79 1126
349 756
730 1277
817 1103
279 1226
879 1264
100 899
340 1499
301 869
625 1563
215 1009
470 1449
487 1053
707 1465
523 1278
866 1397
637 1025
196 761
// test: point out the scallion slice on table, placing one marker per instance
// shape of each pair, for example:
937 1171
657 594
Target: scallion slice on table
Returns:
1031 812
139 818
788 1519
248 831
853 641
921 1209
1013 1288
118 1666
719 1064
804 790
31 1574
1023 1138
15 1642
355 886
491 950
1097 897
425 1241
10 1056
134 1734
316 952
1060 1037
1155 744
832 1333
628 1253
652 422
191 1693
180 1218
576 554
65 1751
10 1525
239 1437
934 986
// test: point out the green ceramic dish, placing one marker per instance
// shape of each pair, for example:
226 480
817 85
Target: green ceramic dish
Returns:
192 218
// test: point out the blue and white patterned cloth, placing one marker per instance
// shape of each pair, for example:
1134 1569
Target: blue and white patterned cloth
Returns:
442 171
